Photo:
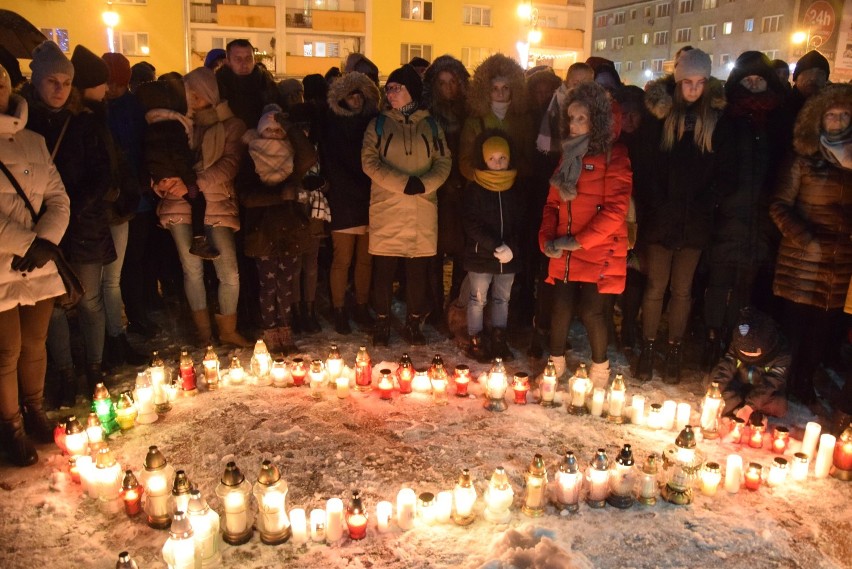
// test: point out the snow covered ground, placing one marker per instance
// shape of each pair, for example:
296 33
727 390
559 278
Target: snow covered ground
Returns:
327 448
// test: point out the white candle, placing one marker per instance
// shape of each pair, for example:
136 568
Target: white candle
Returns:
616 403
299 525
598 484
597 401
710 479
683 412
406 501
655 417
638 417
272 510
86 468
334 519
777 472
384 510
443 507
342 386
578 392
734 473
709 412
318 526
809 441
799 472
236 517
825 456
156 496
568 486
669 414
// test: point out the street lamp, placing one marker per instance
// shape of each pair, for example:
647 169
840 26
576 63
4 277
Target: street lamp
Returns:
529 15
110 19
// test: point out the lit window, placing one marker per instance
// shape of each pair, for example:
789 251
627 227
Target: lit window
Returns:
476 15
600 45
710 4
618 43
59 36
727 28
417 10
408 51
748 25
133 43
645 38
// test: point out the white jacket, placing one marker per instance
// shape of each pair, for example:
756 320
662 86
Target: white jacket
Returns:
25 155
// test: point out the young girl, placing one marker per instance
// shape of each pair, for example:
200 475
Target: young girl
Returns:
492 207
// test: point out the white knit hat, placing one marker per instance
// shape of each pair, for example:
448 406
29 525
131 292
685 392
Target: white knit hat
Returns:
691 63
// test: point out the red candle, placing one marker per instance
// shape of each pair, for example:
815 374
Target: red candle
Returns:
132 502
357 524
756 438
298 372
521 385
404 379
780 439
843 453
385 385
187 377
59 436
752 476
462 380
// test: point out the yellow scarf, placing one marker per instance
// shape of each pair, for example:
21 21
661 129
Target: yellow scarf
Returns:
212 122
495 180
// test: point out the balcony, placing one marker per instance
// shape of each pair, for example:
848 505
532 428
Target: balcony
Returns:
327 20
565 39
258 14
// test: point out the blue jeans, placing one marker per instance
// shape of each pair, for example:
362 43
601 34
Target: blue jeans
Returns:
112 282
91 316
193 267
500 293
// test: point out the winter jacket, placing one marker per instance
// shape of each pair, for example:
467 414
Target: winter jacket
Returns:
216 181
248 94
84 164
167 152
340 137
25 155
597 220
403 225
492 218
677 190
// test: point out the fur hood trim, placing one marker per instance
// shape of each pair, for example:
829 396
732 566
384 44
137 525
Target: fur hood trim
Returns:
659 96
602 133
806 133
441 64
353 81
497 65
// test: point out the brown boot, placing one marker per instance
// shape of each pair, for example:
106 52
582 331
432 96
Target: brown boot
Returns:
201 318
227 325
285 340
19 448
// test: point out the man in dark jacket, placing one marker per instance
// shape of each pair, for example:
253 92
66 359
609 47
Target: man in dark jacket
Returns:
245 86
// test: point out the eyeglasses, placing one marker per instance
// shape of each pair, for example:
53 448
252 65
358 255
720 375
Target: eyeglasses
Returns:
394 88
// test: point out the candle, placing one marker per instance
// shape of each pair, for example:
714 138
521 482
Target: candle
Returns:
843 456
334 363
298 372
236 517
752 476
384 510
406 501
711 476
357 524
363 370
464 497
279 373
405 374
86 466
655 417
298 525
498 498
157 497
648 483
271 509
109 475
318 526
421 384
385 385
825 456
777 472
809 442
638 414
568 485
547 388
669 415
143 396
443 506
462 380
711 410
342 387
210 363
236 373
682 415
616 405
426 508
780 439
733 473
521 386
799 472
73 469
597 401
755 439
579 389
598 485
439 390
334 519
317 379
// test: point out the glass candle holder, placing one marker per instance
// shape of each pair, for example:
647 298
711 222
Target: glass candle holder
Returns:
334 363
753 476
439 381
711 476
735 436
617 395
405 374
598 399
317 379
711 411
777 472
210 364
385 385
236 372
780 439
597 480
520 387
426 508
125 411
461 377
464 498
799 470
279 373
363 370
756 434
342 385
384 513
186 370
569 483
535 495
298 371
655 417
498 498
842 469
547 384
649 487
356 517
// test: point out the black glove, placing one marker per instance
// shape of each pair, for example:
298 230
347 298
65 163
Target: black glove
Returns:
414 186
40 252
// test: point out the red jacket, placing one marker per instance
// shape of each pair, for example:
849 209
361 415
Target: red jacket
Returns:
597 220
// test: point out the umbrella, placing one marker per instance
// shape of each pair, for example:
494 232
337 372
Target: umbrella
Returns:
17 35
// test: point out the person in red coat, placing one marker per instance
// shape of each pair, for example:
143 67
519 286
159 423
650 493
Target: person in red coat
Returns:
584 227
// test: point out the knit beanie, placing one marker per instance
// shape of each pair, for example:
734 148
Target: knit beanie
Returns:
755 333
160 95
408 76
213 56
119 68
495 144
811 60
90 70
203 82
691 63
49 59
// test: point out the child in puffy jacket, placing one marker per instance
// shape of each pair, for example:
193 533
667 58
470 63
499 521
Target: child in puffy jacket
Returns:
168 153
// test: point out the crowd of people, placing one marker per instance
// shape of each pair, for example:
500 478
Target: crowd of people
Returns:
505 201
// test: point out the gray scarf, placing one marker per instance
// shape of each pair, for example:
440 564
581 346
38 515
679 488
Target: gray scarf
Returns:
566 175
837 148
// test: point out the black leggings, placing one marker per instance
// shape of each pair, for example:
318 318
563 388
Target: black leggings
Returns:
416 284
592 307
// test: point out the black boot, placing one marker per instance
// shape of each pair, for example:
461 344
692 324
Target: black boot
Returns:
413 333
645 365
202 248
381 332
476 350
67 388
341 321
713 350
310 322
363 318
19 448
38 426
674 360
113 352
500 346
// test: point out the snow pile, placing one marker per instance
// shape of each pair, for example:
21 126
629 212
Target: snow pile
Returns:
534 548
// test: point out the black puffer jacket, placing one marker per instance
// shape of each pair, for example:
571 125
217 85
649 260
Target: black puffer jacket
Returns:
491 219
247 95
678 189
340 139
83 163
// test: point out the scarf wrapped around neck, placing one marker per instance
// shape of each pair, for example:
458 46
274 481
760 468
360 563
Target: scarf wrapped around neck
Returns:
566 175
837 148
212 142
495 180
500 109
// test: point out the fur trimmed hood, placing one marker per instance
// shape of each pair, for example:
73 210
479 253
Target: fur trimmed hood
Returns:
806 133
353 81
441 64
659 96
602 132
479 95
